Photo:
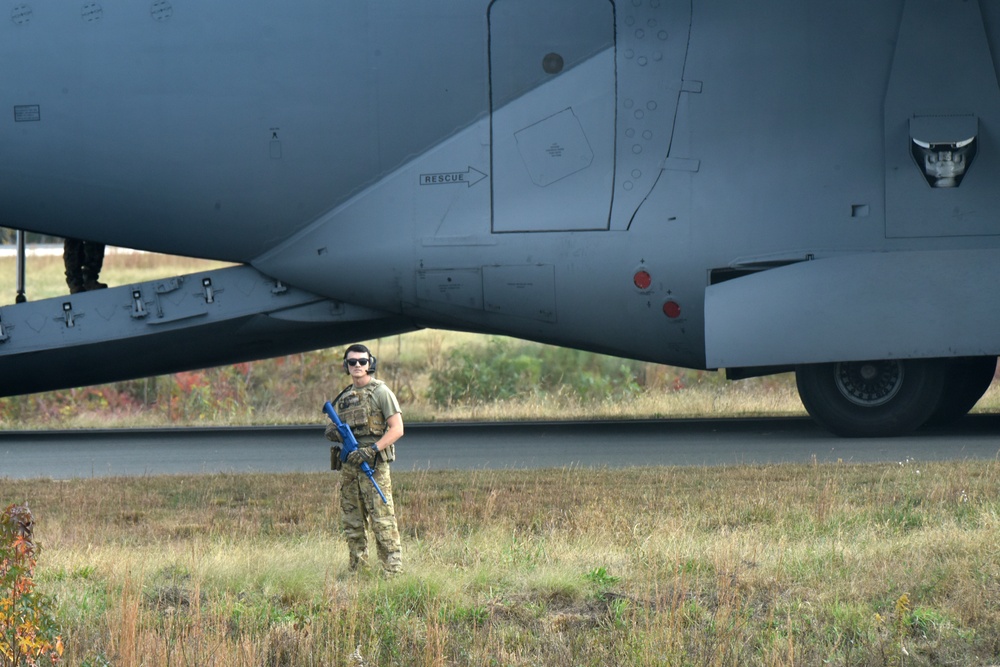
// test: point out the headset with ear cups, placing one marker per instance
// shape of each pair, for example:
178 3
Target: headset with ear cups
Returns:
372 361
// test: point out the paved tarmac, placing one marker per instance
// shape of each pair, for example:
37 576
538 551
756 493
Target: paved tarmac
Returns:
93 453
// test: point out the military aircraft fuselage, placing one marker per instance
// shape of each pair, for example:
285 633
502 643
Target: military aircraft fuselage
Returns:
707 184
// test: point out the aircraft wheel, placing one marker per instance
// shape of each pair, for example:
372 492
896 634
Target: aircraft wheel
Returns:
965 381
864 399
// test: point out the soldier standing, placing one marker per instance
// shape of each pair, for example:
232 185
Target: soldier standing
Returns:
370 408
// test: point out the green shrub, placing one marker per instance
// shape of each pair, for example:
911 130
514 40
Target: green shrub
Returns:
505 369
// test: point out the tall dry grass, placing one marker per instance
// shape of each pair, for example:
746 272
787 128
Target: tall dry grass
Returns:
758 565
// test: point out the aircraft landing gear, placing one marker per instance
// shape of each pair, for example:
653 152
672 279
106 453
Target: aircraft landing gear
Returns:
966 380
872 398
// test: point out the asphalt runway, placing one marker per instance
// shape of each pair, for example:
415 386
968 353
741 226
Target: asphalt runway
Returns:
696 442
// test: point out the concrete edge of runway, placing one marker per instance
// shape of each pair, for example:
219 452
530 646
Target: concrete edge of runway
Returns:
973 423
723 423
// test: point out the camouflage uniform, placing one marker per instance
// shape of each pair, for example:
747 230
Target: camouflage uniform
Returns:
83 261
366 410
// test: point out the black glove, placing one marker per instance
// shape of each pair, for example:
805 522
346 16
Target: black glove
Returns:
362 455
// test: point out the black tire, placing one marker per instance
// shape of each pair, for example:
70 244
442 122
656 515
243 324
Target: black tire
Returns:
871 399
966 379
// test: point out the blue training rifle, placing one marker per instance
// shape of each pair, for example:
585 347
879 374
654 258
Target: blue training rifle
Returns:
351 444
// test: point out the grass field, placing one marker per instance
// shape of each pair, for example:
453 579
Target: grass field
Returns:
780 565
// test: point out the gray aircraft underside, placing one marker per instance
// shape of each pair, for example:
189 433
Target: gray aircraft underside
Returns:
765 186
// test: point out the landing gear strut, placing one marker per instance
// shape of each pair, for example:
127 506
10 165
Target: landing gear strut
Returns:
20 298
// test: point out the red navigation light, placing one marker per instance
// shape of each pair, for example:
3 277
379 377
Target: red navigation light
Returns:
672 309
642 279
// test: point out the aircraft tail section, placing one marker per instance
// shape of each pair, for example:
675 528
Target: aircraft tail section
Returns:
206 319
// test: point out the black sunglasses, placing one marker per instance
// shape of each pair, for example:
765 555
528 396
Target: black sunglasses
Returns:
357 362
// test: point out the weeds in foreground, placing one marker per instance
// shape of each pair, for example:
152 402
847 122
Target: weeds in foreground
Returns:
761 565
28 632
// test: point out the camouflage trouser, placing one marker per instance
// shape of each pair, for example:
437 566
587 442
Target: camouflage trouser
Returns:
83 261
361 506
